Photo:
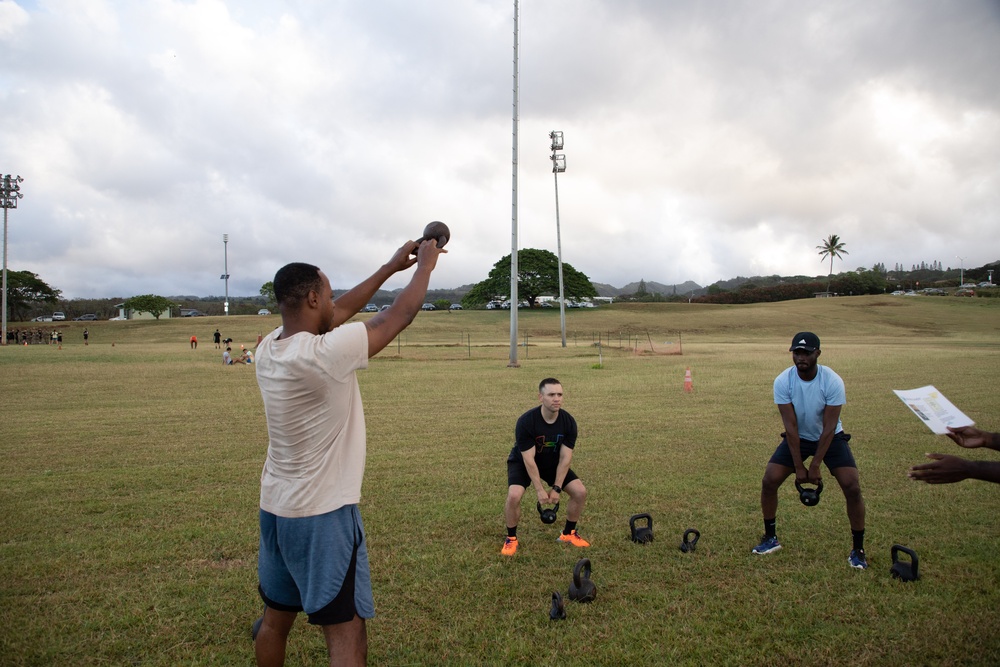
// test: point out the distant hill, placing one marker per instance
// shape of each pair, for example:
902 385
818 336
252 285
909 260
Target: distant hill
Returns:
652 287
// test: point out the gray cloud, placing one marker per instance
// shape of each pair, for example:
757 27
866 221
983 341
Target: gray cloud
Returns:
703 140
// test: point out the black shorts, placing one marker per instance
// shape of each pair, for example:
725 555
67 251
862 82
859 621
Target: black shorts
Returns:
517 474
838 455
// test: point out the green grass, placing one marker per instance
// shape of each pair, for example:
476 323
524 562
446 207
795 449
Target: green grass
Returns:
129 477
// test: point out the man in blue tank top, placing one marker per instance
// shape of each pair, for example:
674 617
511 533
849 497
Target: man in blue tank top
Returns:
809 399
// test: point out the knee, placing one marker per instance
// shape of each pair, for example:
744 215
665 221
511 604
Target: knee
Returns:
770 483
514 494
577 491
852 490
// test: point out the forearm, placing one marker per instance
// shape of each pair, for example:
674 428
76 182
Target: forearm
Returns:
993 441
409 301
987 471
562 469
536 478
351 302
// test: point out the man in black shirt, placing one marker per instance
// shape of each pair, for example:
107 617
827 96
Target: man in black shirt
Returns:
544 440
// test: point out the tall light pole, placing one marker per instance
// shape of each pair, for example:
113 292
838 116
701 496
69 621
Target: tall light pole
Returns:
225 276
513 215
961 280
558 167
11 192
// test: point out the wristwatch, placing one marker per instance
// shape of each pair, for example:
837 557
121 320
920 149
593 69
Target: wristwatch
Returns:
557 488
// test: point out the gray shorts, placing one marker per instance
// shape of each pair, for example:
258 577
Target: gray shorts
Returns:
317 564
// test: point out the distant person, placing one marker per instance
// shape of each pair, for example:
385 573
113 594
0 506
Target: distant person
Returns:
218 339
194 342
227 356
544 441
86 337
947 469
809 399
313 552
54 337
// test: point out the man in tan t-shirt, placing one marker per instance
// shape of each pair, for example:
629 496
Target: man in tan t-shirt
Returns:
313 553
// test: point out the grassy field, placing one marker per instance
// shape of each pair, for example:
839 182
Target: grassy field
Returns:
129 476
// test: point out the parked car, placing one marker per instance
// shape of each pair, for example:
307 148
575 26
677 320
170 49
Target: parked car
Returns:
42 318
493 305
428 306
193 313
986 283
89 317
934 291
370 308
455 306
58 317
965 292
385 307
263 311
898 292
119 318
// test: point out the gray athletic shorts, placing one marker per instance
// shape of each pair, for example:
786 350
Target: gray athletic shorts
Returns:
317 564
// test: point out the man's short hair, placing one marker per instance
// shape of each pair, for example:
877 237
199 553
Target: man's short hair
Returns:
541 385
293 282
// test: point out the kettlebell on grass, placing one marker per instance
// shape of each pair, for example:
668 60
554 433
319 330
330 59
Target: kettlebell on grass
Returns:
904 571
641 534
689 545
548 514
809 497
558 610
582 589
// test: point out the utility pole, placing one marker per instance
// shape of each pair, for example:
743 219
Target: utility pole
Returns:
11 192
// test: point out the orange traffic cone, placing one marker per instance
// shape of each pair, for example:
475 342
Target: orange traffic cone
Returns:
688 382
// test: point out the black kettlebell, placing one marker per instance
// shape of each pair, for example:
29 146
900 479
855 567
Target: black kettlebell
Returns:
809 497
904 571
558 611
689 545
641 534
548 514
582 589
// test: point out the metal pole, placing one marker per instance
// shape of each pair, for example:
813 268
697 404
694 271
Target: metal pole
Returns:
11 192
4 340
225 245
961 280
562 292
513 217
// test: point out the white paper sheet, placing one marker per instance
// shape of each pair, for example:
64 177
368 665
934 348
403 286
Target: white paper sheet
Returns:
933 409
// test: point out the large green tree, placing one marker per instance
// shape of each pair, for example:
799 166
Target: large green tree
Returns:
25 290
537 274
831 247
150 303
267 291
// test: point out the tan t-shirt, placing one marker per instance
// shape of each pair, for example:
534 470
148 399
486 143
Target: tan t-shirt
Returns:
315 422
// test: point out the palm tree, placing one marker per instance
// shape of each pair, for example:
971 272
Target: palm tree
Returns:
832 247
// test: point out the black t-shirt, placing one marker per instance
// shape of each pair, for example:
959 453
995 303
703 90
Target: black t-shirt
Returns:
533 431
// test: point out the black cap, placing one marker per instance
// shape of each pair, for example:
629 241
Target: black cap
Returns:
805 340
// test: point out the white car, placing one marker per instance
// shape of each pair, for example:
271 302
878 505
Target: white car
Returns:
898 292
263 311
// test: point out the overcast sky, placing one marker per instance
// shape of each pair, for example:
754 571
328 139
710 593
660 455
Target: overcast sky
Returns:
704 140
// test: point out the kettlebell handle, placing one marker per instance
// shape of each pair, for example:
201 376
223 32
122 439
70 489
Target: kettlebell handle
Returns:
582 566
800 488
637 517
